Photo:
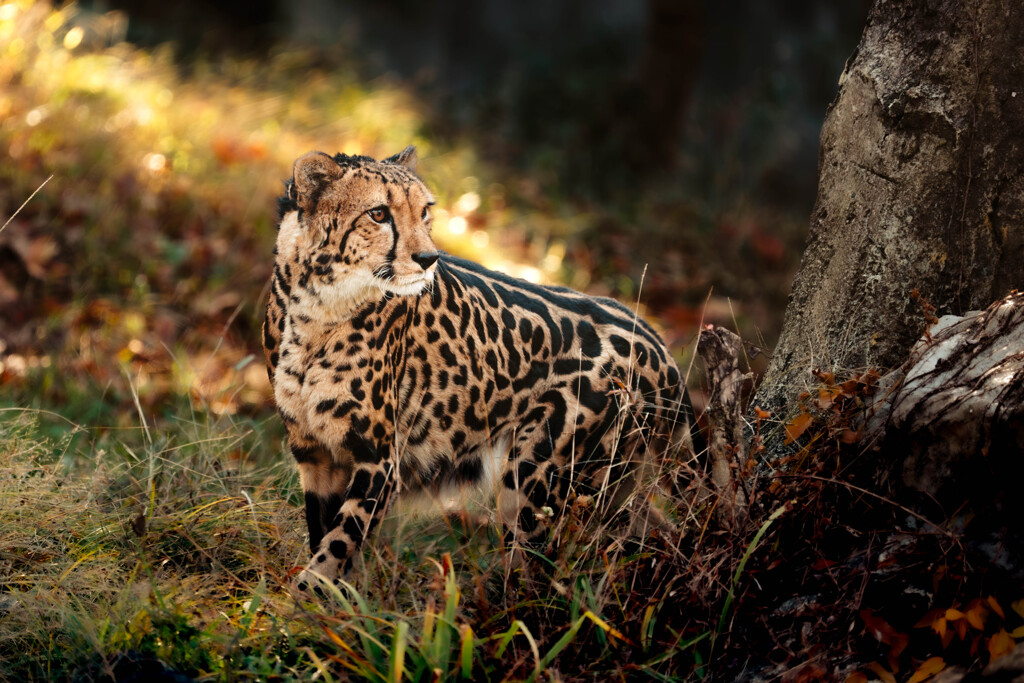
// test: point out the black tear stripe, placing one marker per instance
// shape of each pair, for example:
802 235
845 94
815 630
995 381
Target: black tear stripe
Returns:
344 238
394 239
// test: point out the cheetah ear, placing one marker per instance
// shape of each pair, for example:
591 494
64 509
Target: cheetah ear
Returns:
407 157
311 174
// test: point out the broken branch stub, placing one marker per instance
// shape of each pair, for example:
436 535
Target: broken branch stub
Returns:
727 449
958 413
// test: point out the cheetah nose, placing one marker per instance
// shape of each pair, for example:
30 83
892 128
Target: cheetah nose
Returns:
425 258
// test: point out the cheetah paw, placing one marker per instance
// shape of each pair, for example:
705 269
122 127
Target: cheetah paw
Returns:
310 582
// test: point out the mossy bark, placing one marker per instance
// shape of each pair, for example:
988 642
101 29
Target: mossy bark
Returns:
921 186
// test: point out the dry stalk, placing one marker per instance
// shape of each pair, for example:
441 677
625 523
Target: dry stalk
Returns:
721 349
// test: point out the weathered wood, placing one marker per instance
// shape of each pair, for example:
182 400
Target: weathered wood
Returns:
921 186
957 415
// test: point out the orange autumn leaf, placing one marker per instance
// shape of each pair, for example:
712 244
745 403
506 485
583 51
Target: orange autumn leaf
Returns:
850 387
857 677
1018 607
947 638
797 426
869 378
1000 645
761 413
896 648
824 377
884 632
961 628
956 619
826 396
877 626
995 607
976 614
928 668
930 617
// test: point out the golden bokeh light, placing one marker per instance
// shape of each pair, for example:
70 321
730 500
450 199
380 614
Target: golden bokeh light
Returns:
73 38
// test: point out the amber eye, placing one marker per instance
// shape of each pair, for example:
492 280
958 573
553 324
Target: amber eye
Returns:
379 214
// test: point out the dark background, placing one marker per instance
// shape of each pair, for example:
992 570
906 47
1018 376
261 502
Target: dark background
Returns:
626 90
677 125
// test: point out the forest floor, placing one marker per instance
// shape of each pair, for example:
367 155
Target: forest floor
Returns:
150 519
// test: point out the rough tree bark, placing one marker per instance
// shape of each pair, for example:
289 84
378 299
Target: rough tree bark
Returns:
921 186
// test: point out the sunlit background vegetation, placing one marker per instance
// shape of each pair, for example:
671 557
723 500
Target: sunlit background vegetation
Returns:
152 509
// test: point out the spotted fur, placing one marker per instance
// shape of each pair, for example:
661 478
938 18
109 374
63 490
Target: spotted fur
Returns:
397 369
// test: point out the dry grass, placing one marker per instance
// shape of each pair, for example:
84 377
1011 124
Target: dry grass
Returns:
171 548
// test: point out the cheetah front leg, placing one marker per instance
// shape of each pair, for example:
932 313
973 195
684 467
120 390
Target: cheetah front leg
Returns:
325 480
364 504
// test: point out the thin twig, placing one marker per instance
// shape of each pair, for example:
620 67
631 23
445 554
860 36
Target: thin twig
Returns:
24 203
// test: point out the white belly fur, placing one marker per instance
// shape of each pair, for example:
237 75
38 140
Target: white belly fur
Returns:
454 497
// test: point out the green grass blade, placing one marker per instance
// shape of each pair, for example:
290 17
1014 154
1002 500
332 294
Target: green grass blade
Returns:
743 564
466 655
560 645
396 664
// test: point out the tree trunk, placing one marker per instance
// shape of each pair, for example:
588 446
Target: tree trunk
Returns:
921 186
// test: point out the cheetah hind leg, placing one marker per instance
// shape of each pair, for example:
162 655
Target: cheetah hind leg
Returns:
526 530
531 501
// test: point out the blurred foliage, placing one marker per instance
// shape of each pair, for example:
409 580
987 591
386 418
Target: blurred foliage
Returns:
148 253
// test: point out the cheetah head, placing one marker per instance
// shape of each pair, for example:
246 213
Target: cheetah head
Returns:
362 225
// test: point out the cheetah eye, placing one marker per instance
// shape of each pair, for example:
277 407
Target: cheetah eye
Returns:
426 213
379 214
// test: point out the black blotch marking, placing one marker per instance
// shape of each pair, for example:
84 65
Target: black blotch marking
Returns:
525 330
449 357
566 333
590 343
343 409
305 454
449 328
596 401
567 366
